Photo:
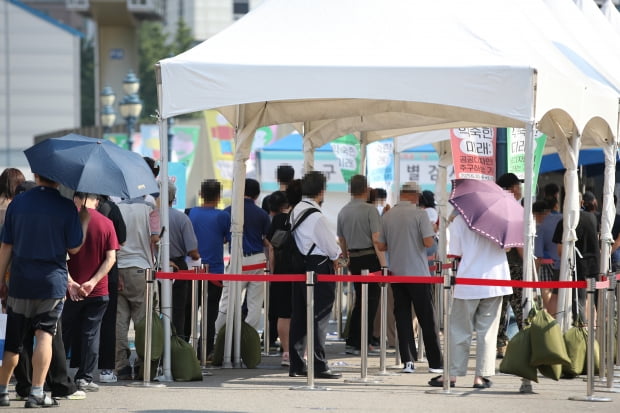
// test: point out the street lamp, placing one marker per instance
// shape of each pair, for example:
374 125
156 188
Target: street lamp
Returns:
131 105
108 115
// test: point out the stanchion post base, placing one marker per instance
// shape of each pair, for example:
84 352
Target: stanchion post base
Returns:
365 380
607 390
589 399
310 388
385 373
448 392
164 379
146 384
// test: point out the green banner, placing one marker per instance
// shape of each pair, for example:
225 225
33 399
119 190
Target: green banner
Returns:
347 150
516 153
119 139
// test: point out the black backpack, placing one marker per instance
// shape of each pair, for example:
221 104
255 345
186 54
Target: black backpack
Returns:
288 258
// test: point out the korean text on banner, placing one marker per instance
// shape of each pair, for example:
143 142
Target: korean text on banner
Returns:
2 335
516 153
473 152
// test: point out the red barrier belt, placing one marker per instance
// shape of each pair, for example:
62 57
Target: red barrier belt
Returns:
375 278
252 267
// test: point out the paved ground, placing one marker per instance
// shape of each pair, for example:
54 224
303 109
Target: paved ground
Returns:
268 389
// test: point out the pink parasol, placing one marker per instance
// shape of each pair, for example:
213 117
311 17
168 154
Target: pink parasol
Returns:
489 210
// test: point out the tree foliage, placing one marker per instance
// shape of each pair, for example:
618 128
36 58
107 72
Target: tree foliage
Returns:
87 82
154 45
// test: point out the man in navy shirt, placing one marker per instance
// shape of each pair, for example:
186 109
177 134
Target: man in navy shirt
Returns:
212 229
255 227
40 228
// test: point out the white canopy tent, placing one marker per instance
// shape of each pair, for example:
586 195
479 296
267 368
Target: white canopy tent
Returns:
385 69
611 13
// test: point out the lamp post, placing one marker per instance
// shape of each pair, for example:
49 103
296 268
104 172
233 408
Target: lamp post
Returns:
131 105
108 115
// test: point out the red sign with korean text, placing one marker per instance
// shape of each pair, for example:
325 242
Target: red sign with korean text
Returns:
473 152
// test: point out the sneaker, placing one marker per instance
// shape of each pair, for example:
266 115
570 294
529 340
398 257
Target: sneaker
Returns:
85 385
76 395
5 400
352 350
436 371
107 376
43 401
285 360
409 367
373 350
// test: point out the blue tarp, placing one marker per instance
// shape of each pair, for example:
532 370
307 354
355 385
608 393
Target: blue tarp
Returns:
293 142
551 162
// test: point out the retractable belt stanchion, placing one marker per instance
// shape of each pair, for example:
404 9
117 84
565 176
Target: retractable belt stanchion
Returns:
364 339
601 310
447 287
311 279
204 319
339 271
148 328
589 397
266 332
194 315
609 337
383 339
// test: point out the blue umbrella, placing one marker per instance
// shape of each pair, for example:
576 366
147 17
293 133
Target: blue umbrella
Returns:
92 166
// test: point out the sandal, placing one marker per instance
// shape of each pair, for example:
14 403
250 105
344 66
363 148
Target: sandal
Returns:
438 382
486 383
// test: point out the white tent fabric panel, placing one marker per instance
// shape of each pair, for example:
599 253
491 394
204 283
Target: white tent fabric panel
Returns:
611 13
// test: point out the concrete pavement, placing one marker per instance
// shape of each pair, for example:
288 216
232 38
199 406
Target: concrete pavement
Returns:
268 389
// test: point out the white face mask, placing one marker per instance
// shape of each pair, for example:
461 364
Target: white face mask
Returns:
380 209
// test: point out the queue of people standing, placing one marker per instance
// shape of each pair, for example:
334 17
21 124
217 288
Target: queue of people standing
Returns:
76 270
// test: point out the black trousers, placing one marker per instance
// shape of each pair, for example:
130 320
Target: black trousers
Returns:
420 295
324 296
213 307
82 321
57 380
356 265
107 336
181 297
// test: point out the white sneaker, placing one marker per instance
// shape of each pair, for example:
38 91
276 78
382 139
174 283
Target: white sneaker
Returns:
436 371
409 367
86 385
107 376
76 395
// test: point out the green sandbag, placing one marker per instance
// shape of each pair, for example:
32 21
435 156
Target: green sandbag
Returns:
553 371
185 364
250 346
517 358
157 337
547 341
576 340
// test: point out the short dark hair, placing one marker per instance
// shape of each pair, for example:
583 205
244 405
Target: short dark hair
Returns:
427 199
293 192
313 183
540 206
381 193
358 185
508 180
252 188
285 174
151 163
210 190
551 189
277 201
551 202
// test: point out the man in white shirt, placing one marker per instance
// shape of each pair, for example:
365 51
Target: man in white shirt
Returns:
314 240
475 307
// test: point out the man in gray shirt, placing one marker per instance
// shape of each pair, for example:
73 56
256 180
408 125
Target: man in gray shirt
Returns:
358 228
405 235
183 243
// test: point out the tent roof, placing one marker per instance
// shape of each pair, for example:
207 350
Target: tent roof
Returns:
395 65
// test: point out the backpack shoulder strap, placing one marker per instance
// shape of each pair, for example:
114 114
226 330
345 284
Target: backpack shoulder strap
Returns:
303 217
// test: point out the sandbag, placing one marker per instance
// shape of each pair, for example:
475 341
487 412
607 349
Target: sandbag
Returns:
185 364
250 346
517 358
553 371
576 340
547 341
157 337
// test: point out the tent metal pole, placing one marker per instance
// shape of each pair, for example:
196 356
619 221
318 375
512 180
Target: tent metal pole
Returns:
164 243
